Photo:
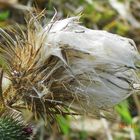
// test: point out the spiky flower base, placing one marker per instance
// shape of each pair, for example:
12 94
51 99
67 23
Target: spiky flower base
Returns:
11 129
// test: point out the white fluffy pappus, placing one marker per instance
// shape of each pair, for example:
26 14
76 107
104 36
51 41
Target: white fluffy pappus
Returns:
90 70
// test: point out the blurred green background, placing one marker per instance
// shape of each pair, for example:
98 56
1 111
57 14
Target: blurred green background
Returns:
116 16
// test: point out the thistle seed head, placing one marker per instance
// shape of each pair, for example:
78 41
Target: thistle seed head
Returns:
63 66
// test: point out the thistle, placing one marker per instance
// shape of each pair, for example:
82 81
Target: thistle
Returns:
13 128
62 67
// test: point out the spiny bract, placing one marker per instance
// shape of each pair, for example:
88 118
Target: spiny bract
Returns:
12 128
63 66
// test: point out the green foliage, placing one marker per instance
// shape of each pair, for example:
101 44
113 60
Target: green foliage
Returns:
123 110
83 135
63 124
137 128
4 15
